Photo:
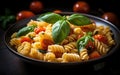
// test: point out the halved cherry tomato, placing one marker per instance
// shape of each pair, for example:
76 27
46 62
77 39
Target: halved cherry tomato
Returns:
36 6
94 54
45 43
37 30
27 39
24 14
101 38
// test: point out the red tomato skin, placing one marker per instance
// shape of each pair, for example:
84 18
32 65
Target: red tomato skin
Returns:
94 55
101 38
81 6
37 30
26 39
110 16
36 6
24 14
90 45
45 43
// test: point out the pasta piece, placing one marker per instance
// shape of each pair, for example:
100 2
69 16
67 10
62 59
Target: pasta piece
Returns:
14 35
70 46
36 45
110 40
77 31
37 23
101 47
41 36
71 57
58 50
24 48
70 38
32 22
34 53
37 38
74 51
15 42
59 60
50 57
108 34
89 27
106 30
49 30
42 24
31 34
84 54
98 30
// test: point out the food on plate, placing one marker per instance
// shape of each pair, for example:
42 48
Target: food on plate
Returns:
81 6
63 38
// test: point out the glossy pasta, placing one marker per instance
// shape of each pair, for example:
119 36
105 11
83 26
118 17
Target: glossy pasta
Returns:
78 46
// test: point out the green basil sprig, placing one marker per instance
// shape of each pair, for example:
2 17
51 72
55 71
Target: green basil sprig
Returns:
61 27
60 30
83 41
50 17
25 30
78 19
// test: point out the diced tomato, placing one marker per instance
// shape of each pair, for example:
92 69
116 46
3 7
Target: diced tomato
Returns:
90 45
94 54
80 35
27 39
37 30
45 43
101 38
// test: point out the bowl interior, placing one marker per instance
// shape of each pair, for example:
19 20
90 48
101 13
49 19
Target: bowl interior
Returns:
18 25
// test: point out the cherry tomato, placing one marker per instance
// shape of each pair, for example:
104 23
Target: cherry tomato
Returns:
37 30
101 38
110 16
24 14
27 39
57 11
36 6
90 45
94 54
81 6
45 43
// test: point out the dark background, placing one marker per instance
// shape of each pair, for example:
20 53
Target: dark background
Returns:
96 6
11 65
105 5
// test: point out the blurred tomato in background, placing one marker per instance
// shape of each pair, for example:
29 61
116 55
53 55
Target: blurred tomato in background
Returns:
81 7
24 14
34 7
110 16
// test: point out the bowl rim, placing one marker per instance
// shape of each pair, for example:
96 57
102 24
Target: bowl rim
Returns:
70 63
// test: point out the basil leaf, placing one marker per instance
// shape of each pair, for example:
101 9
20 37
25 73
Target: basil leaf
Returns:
25 30
50 17
60 30
78 19
82 42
